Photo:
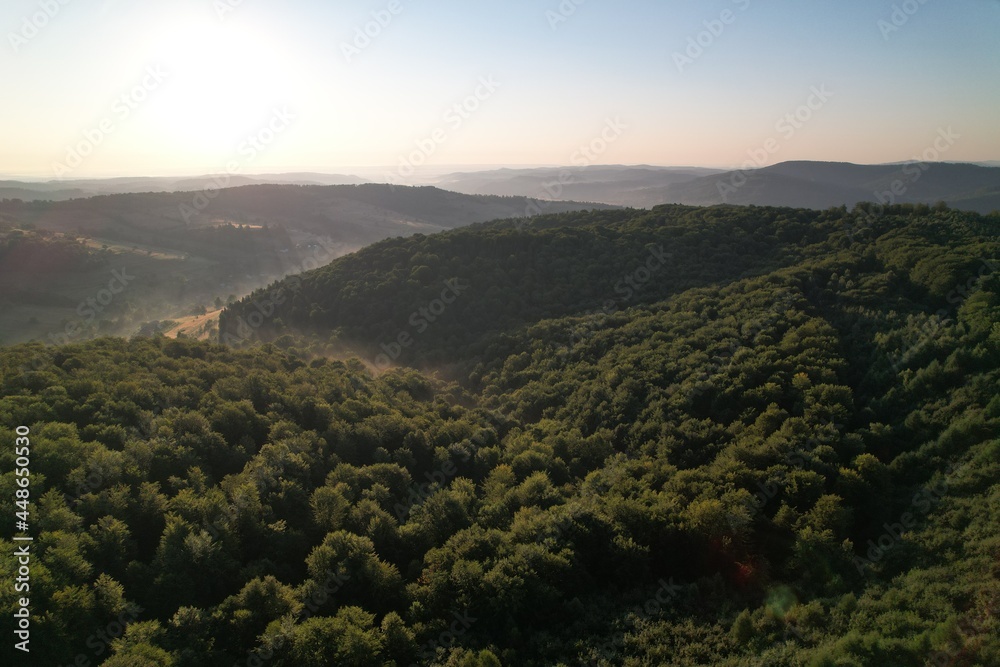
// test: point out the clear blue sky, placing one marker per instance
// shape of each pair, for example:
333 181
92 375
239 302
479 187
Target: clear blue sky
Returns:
226 78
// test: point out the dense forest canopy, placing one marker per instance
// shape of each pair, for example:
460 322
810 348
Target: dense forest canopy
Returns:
189 251
725 436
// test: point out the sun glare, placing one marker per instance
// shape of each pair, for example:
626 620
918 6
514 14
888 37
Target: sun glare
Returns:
222 82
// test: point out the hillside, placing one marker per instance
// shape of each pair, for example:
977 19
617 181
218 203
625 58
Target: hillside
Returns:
189 251
611 184
800 184
351 214
778 447
825 184
513 273
64 189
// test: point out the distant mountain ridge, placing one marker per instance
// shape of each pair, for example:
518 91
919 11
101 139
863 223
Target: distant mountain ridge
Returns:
351 214
801 184
188 249
609 184
61 190
820 185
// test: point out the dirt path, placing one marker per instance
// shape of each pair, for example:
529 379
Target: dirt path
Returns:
196 326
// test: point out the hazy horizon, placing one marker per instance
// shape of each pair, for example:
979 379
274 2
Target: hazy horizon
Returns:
213 86
371 173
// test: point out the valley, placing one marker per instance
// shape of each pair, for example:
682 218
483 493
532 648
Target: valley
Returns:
726 435
192 251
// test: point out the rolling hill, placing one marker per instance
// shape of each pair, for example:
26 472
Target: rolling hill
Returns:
189 250
802 184
727 437
825 184
608 184
63 189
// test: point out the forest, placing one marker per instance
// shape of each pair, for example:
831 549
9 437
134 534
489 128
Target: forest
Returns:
190 249
736 436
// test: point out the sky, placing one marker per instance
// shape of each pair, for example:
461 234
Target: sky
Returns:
127 87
